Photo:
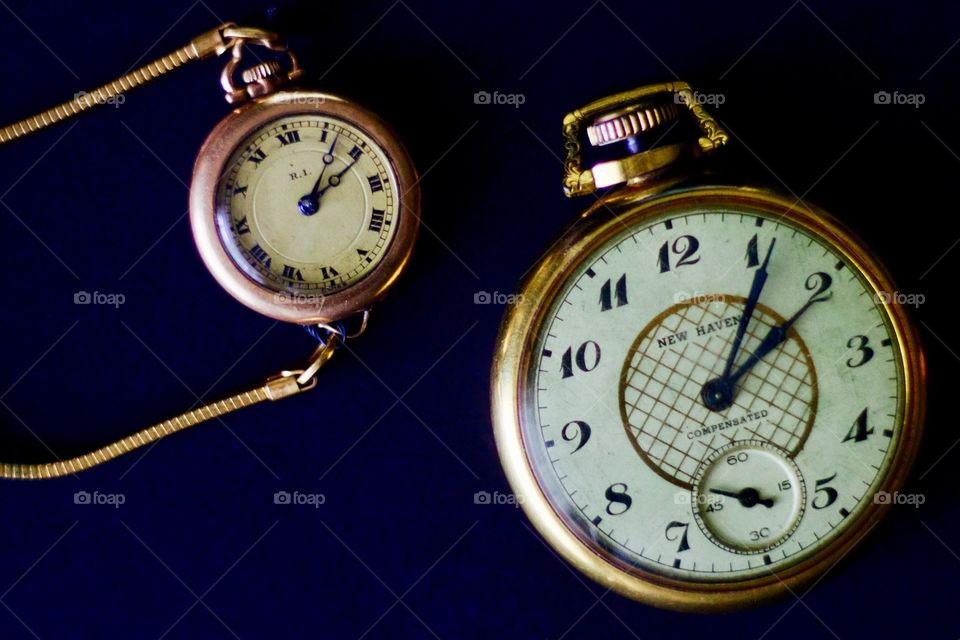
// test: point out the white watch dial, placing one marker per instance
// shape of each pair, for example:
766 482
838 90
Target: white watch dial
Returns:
632 412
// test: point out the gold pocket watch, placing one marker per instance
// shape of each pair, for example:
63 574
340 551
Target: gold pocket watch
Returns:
701 397
304 206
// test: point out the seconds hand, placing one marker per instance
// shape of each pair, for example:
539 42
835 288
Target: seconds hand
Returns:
748 497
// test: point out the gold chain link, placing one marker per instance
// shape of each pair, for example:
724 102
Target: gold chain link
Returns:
282 385
203 46
225 38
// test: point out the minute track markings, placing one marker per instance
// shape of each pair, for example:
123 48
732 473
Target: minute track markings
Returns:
578 292
348 267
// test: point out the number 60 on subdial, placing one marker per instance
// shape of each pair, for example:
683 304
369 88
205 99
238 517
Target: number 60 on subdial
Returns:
705 394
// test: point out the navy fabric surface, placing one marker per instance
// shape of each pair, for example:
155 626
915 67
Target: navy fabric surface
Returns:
397 437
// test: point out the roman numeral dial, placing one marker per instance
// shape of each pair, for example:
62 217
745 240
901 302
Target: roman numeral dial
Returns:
307 204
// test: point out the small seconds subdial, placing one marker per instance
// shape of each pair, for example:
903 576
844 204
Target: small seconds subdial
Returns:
306 205
728 358
749 497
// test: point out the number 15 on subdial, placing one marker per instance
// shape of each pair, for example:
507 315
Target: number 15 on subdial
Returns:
700 339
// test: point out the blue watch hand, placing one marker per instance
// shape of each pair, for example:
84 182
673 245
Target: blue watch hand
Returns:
774 338
717 394
310 203
334 180
327 161
759 279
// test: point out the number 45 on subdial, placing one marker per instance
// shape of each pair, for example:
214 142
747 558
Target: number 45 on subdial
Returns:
705 338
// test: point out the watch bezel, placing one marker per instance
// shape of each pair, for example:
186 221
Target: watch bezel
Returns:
213 158
512 362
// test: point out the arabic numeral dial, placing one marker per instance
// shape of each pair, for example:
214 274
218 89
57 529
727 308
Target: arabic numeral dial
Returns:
713 394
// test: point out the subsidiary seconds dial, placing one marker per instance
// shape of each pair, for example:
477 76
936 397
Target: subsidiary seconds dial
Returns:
713 394
306 205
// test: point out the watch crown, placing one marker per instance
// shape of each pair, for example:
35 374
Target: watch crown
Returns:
623 124
627 117
260 71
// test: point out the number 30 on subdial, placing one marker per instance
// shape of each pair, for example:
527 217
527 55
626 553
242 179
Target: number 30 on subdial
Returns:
714 393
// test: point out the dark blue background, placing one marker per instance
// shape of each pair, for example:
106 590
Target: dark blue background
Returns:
397 437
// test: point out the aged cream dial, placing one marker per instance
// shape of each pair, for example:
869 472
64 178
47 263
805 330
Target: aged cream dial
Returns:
306 205
663 456
703 393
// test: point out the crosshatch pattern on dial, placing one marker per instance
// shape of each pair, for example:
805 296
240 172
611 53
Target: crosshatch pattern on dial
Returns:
668 364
